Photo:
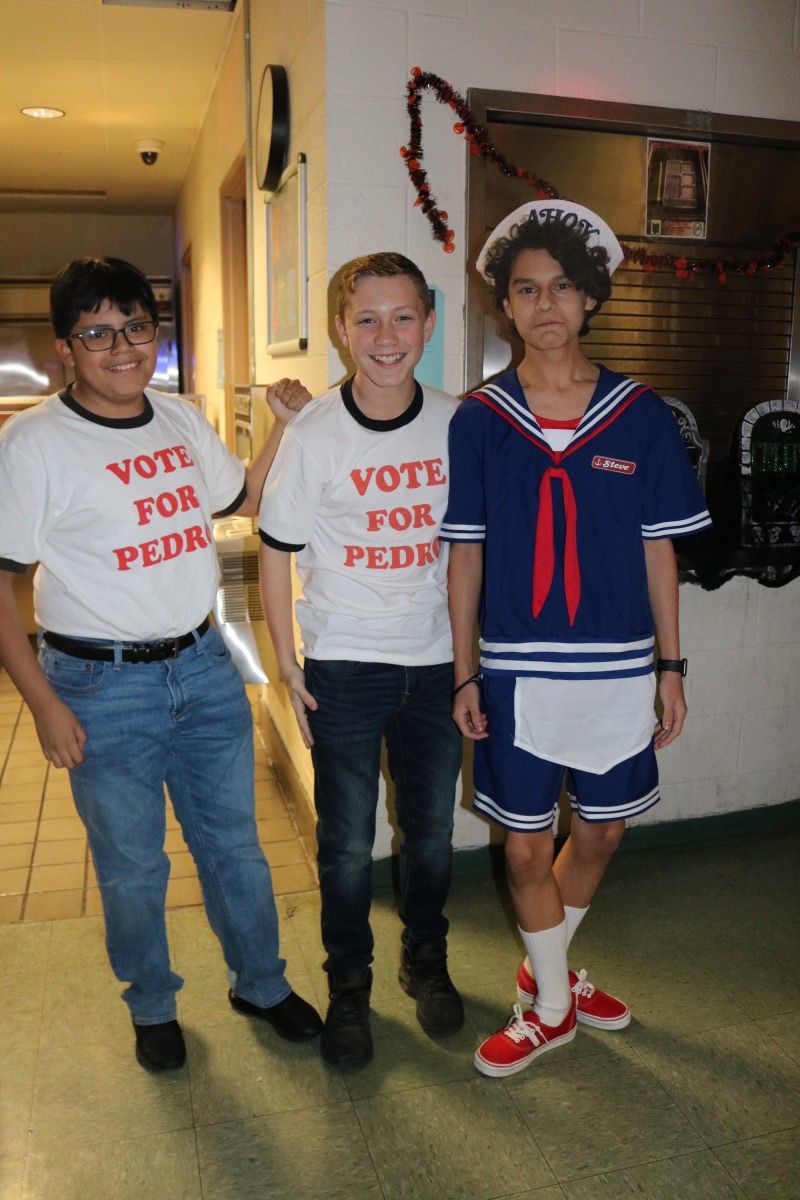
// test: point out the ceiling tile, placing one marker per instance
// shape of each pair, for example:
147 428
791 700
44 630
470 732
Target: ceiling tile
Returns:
32 169
184 82
61 82
151 34
120 74
44 29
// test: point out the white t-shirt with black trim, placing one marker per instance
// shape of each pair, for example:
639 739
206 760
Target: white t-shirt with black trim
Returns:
117 512
361 502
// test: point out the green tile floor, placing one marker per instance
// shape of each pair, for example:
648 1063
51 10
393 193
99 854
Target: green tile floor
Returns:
699 1099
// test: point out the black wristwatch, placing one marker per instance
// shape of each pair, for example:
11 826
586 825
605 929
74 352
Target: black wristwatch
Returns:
672 664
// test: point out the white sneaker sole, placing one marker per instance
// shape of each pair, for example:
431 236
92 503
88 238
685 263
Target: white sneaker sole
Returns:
487 1068
585 1018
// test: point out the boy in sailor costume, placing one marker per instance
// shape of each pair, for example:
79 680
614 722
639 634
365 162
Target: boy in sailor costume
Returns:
568 483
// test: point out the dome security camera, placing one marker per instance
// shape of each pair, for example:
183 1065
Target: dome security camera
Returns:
148 149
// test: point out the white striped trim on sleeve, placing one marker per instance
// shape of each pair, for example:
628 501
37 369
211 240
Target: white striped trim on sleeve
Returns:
666 529
463 533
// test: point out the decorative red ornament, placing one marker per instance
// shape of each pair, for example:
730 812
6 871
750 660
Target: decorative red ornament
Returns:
480 143
475 134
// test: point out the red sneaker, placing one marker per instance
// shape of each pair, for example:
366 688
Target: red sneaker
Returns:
595 1007
522 1040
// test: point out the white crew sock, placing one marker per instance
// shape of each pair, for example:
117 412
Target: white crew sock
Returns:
573 916
547 951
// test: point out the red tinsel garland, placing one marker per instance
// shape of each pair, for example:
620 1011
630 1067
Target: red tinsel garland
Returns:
479 143
473 133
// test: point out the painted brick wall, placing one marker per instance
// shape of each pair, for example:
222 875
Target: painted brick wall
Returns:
740 749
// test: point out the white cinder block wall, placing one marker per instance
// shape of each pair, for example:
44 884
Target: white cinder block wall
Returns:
740 749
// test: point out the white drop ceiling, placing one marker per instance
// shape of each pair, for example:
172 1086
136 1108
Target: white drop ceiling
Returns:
121 74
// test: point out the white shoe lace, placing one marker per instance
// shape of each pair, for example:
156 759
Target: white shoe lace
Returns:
582 986
518 1028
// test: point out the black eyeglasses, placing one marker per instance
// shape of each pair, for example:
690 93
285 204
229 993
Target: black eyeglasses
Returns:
104 337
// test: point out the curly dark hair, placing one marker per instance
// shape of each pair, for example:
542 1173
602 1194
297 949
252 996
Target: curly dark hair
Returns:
586 267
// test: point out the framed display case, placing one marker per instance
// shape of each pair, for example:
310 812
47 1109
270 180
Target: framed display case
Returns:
287 265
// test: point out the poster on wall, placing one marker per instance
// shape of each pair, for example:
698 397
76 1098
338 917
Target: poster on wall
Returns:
430 368
287 267
677 189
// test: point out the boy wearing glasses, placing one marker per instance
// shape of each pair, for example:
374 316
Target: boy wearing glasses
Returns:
111 488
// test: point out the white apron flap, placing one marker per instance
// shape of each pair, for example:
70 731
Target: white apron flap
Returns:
589 724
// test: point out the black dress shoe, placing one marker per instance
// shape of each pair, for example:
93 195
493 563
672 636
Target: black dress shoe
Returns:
293 1018
160 1047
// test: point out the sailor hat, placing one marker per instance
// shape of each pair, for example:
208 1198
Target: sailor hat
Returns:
572 216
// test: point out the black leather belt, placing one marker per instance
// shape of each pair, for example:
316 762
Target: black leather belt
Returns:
132 652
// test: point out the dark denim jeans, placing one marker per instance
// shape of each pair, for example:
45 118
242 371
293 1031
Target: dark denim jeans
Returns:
360 704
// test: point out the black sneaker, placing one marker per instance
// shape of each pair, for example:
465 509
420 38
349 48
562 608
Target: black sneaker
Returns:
346 1037
424 976
160 1047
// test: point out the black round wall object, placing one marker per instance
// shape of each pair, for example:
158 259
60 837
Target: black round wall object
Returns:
272 127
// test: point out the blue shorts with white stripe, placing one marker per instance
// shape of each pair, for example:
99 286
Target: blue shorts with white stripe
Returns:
520 791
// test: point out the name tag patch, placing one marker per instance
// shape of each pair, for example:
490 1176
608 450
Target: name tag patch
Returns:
620 466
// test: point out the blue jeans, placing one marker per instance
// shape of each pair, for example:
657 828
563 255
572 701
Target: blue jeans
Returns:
360 704
185 722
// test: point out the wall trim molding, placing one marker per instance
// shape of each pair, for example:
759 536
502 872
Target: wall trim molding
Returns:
298 797
488 860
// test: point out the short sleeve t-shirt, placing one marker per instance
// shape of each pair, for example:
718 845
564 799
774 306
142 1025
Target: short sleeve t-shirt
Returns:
117 513
361 503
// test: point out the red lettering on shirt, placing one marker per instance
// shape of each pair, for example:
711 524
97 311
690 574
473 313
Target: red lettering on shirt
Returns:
146 465
401 518
361 479
166 504
392 558
162 549
388 477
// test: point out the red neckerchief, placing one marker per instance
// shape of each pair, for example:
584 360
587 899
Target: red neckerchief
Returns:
544 542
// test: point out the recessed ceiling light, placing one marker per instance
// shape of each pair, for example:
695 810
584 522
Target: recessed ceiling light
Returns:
42 111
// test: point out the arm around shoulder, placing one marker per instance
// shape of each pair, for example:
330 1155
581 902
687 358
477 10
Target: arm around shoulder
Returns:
285 398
